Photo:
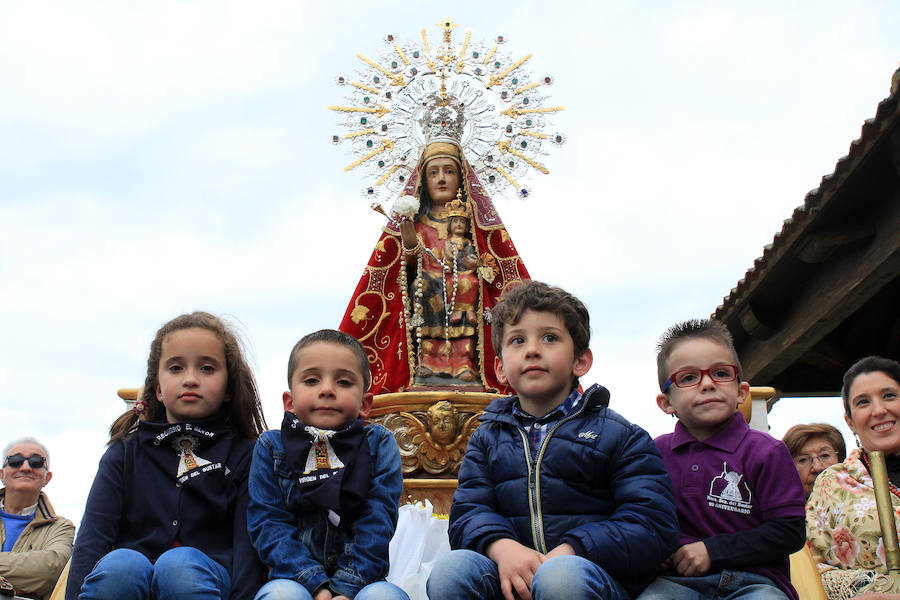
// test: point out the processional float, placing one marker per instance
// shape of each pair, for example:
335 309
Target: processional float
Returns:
422 310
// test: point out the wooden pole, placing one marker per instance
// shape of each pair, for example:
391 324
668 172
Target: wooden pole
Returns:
885 512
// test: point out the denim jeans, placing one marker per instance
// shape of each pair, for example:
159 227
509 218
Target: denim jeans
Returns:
182 573
287 589
467 574
727 585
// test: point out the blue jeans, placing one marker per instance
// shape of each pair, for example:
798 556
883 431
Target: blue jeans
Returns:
467 574
727 585
182 573
288 589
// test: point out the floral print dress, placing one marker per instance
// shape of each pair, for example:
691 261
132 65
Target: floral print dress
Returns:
843 532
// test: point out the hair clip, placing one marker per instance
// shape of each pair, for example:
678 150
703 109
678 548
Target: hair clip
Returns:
139 408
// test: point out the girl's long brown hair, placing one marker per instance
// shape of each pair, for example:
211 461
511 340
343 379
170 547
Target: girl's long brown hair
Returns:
243 412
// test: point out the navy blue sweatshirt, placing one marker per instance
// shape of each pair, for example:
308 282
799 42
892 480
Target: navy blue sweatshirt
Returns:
147 497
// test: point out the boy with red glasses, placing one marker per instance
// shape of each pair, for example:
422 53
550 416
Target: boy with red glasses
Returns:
740 501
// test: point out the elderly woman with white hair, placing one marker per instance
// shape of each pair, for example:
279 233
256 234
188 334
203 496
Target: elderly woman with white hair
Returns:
35 542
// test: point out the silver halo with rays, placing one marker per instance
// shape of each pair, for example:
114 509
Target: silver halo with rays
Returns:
506 129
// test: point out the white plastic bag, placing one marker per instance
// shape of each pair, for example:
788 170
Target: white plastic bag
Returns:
419 540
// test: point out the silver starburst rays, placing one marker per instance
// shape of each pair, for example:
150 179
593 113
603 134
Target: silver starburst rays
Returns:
500 112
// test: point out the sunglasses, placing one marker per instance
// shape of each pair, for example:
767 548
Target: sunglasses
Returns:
35 461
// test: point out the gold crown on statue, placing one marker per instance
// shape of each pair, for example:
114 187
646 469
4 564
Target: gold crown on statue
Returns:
458 207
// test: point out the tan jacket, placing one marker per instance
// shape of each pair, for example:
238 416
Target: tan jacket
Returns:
41 552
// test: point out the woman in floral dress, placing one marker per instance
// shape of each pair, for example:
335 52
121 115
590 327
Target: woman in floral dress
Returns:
842 525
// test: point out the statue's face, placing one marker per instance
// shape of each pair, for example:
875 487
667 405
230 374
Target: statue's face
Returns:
442 179
458 225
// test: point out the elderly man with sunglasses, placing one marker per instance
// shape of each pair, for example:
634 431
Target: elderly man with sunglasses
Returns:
36 542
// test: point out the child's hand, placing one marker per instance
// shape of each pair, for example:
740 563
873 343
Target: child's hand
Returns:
516 565
561 550
691 560
323 594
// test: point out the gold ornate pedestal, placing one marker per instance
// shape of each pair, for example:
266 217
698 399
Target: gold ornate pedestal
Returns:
432 429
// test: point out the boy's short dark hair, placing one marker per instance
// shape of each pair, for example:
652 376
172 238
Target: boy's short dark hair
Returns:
869 364
710 329
538 296
332 336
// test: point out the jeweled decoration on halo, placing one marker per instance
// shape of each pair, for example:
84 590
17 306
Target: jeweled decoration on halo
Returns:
472 92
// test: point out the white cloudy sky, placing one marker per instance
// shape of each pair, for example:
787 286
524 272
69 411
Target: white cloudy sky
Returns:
163 157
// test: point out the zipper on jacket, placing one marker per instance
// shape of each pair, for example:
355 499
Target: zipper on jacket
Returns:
534 480
533 507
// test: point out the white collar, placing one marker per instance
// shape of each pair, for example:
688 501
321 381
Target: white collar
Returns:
28 510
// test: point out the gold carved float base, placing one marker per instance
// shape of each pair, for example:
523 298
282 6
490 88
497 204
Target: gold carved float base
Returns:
432 429
438 491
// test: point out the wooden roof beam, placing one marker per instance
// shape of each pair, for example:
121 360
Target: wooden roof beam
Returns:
841 290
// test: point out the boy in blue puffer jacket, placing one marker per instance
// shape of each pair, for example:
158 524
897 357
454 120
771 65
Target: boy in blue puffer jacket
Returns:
559 496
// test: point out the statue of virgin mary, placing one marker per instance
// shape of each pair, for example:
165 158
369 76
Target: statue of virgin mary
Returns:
422 308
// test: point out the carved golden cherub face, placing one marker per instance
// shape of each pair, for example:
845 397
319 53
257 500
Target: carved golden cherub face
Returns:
442 422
